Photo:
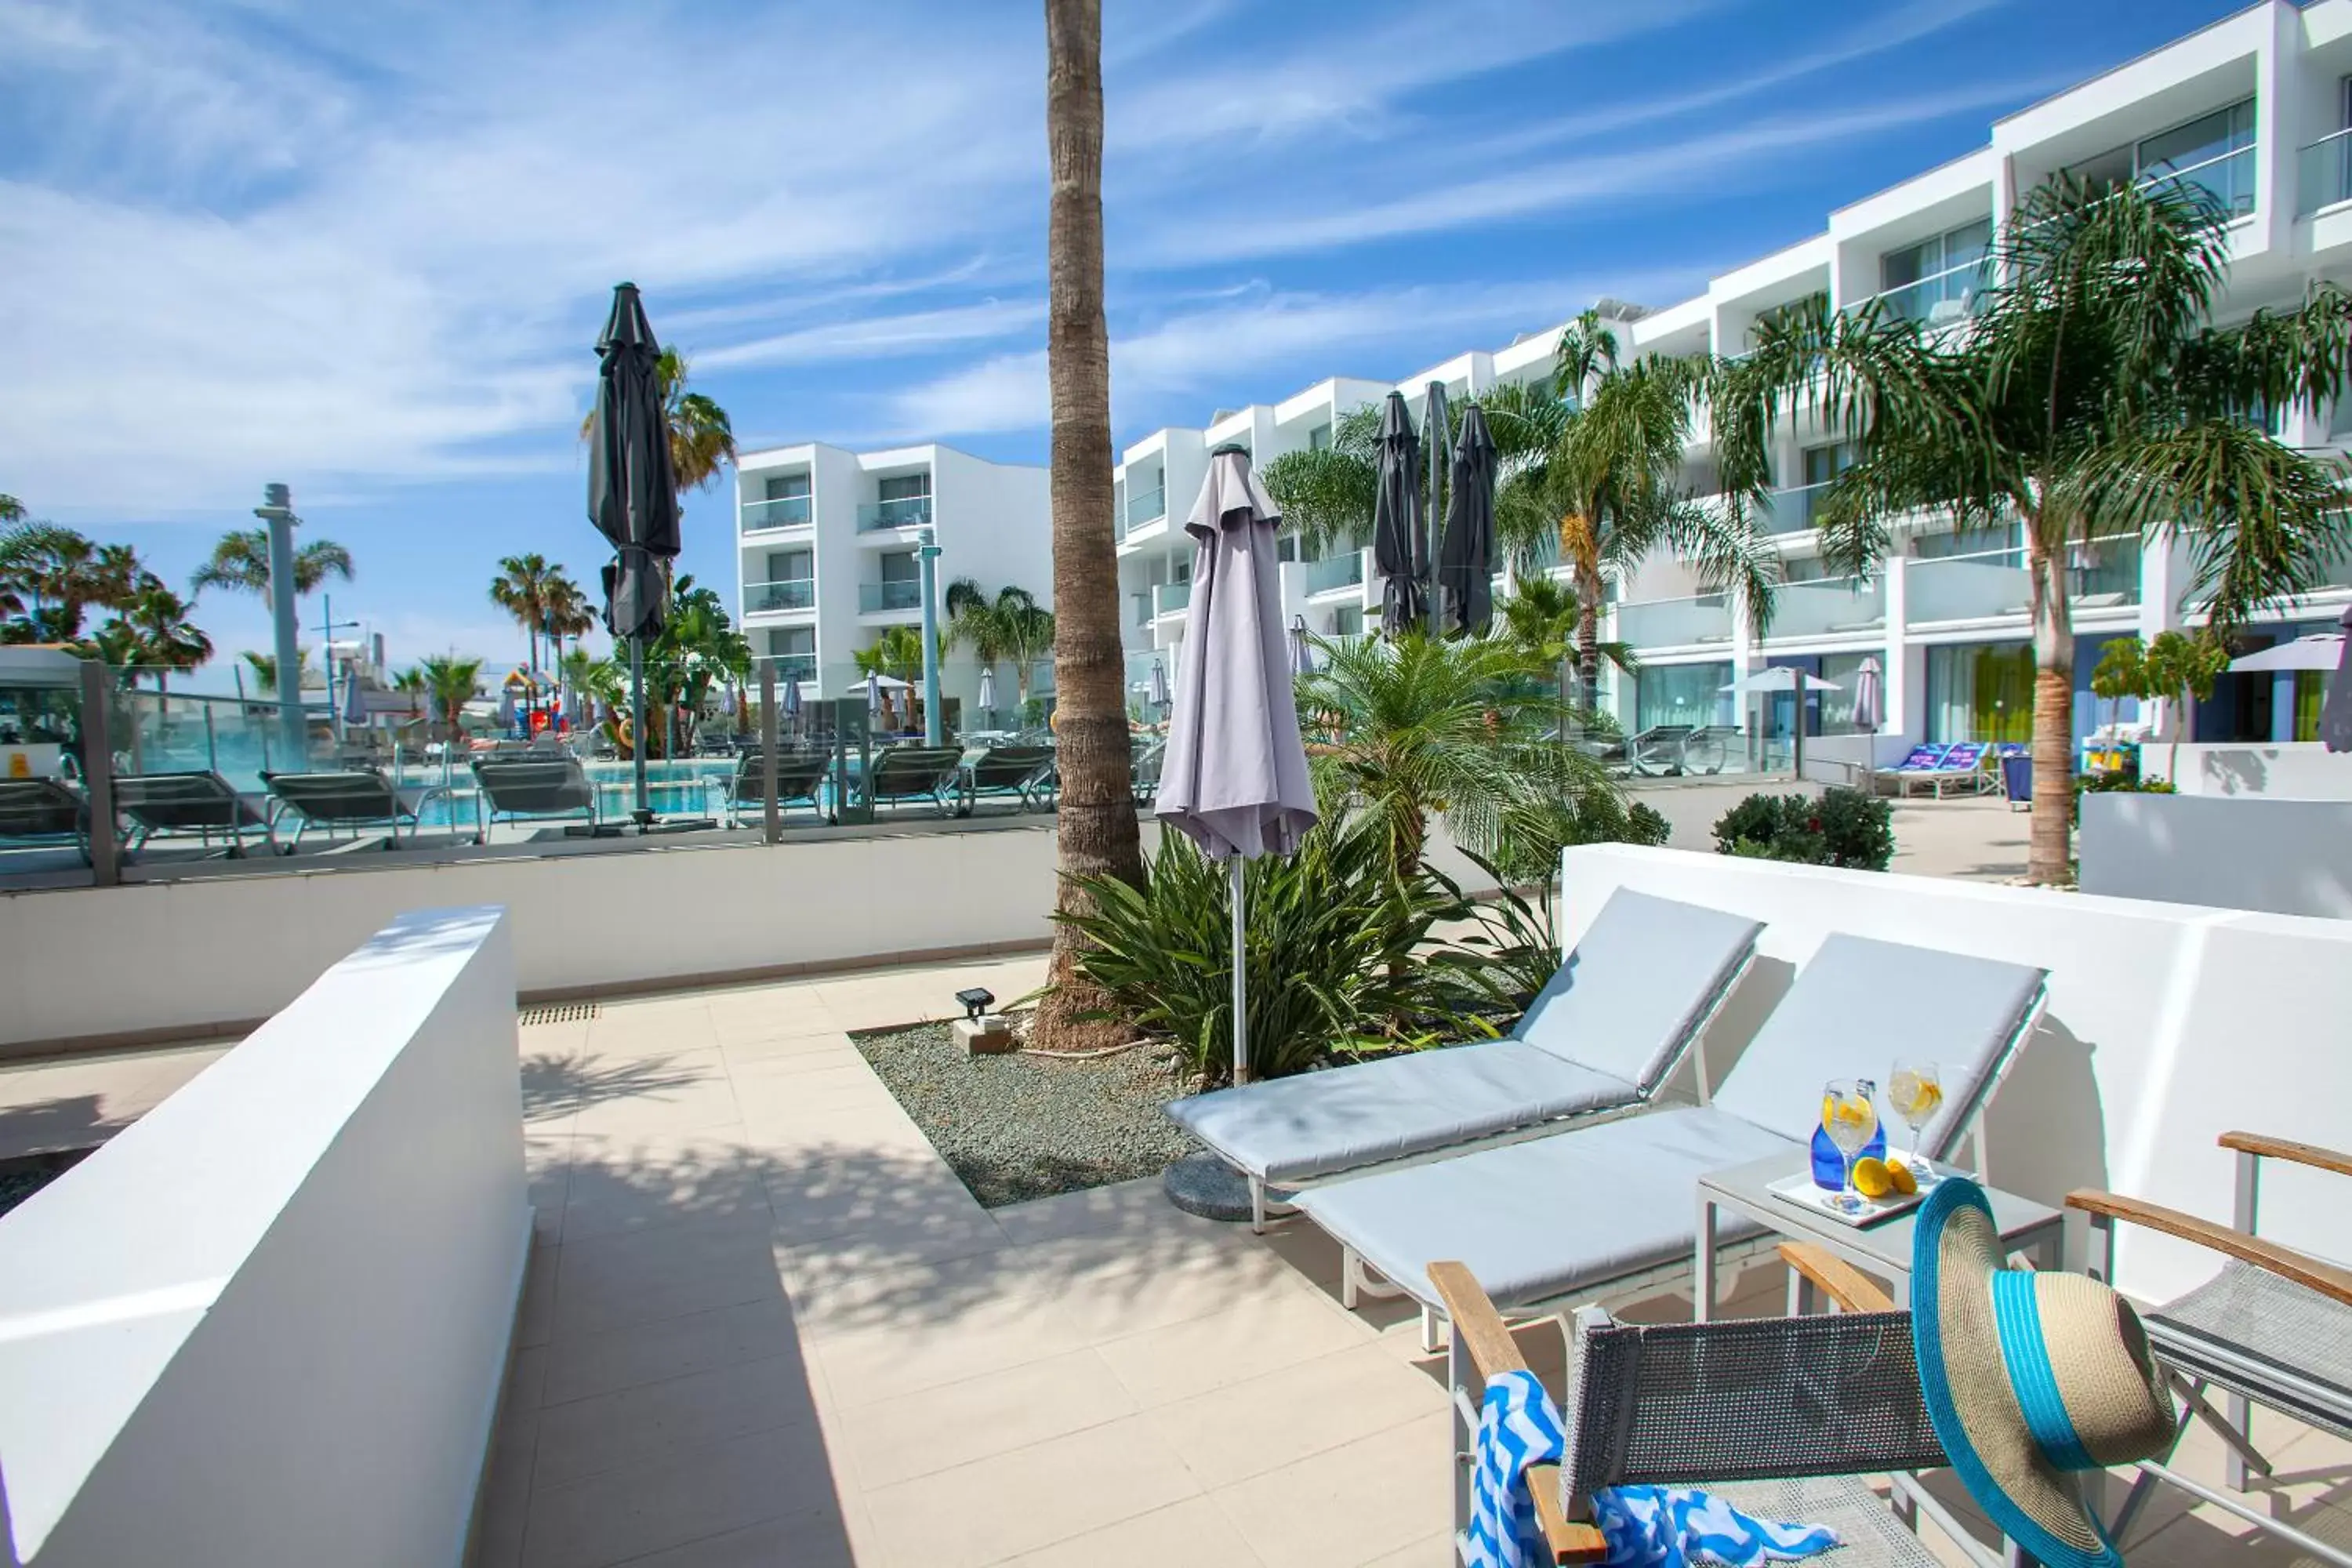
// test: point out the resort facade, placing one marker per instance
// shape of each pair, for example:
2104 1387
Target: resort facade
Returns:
2255 109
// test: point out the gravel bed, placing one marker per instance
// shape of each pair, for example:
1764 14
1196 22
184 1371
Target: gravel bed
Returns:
1020 1127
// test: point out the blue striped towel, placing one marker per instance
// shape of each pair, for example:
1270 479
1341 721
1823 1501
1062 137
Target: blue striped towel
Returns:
1646 1527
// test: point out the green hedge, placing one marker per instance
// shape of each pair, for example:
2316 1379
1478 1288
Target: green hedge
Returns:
1841 827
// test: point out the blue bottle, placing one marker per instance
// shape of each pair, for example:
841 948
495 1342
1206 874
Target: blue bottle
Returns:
1829 1165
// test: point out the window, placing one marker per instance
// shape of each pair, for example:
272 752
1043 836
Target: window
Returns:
783 487
784 640
1287 547
790 566
1793 312
1981 691
1681 694
1348 622
1970 542
906 487
899 567
1939 279
2211 157
1319 439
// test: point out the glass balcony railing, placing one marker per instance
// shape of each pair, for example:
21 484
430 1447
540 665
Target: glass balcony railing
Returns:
793 594
1829 608
1169 597
1146 505
2323 174
789 666
777 511
1345 570
1952 295
1676 623
1981 586
2227 178
873 597
1794 509
907 511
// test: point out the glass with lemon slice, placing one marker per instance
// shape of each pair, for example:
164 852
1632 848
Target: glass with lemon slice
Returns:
1850 1117
1916 1093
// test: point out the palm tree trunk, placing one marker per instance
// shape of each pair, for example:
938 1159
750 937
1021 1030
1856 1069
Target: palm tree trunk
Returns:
2050 841
1096 834
1588 643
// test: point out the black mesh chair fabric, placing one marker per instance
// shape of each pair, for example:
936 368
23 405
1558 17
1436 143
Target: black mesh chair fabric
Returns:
1772 1398
2277 1343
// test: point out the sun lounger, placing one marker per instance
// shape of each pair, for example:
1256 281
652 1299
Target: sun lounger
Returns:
1787 1418
904 774
35 812
530 788
799 781
1151 751
347 800
1510 1214
1605 1035
176 804
1023 773
1958 766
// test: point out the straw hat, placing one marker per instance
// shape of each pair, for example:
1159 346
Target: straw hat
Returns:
2030 1379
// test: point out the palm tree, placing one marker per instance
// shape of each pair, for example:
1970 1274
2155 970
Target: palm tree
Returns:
1096 834
696 648
1422 727
154 627
450 683
412 681
897 653
1326 493
2090 399
240 563
569 614
1598 461
58 574
1012 626
701 438
264 669
520 590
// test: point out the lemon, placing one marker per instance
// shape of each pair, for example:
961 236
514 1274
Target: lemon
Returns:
1905 1183
1872 1177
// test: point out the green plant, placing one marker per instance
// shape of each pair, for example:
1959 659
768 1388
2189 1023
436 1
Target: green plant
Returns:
2089 401
240 563
1843 828
1333 949
450 683
2179 667
1012 626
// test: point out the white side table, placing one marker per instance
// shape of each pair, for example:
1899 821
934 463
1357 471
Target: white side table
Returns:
1882 1250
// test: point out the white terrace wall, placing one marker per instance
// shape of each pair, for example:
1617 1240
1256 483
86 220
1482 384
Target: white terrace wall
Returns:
2167 1025
267 1325
218 951
2247 852
2299 769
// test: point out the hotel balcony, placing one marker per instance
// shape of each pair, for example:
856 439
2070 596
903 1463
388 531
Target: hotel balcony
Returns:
907 511
1171 599
884 598
1335 573
791 593
777 511
1840 606
1676 623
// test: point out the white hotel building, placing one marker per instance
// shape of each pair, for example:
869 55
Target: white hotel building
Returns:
2255 108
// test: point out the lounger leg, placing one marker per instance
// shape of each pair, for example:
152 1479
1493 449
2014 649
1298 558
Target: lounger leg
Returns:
1347 1266
1459 1377
1431 1343
1257 1205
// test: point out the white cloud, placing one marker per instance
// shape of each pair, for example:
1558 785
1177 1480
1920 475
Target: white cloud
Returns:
872 337
1222 348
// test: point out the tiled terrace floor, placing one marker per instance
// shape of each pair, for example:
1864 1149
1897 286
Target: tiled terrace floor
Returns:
765 1325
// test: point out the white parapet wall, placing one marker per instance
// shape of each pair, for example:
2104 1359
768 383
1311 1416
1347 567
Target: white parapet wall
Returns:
2246 852
2167 1024
2299 769
267 1324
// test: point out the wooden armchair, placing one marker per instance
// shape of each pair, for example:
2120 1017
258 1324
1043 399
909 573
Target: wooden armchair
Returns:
2273 1327
1718 1404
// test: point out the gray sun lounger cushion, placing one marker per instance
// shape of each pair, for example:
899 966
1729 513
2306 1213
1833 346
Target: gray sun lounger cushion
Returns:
1862 1003
1540 1220
1587 1205
1603 1033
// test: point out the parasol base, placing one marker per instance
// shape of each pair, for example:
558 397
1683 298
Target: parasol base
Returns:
1205 1186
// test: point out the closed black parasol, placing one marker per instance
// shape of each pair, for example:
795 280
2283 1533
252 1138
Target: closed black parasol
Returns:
633 499
1396 519
1466 559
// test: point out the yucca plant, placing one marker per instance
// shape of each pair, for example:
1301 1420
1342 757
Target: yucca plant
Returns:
1334 950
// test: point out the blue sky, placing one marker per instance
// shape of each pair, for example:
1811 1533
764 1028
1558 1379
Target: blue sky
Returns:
366 248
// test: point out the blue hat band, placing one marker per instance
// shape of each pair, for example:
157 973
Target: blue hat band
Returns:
2017 1318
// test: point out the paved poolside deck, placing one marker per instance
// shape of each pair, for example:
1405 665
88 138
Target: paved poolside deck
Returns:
764 1324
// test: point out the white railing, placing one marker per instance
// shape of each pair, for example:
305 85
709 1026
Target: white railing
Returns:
2323 174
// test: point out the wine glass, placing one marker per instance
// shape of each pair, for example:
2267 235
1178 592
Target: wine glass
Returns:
1916 1093
1850 1117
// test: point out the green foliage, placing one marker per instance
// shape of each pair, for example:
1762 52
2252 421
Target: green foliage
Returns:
1011 627
1843 828
1332 949
240 563
2179 665
2122 670
450 682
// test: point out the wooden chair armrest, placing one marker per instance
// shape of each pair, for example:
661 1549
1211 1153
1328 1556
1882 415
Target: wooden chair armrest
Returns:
2329 1280
2284 1149
1852 1290
1492 1351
